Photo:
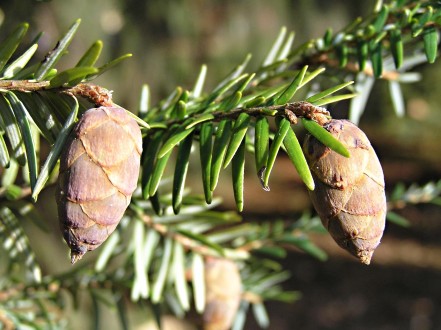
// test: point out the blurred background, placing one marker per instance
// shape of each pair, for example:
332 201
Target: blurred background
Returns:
170 40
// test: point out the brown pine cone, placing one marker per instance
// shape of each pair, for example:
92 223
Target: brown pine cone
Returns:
99 171
349 192
223 293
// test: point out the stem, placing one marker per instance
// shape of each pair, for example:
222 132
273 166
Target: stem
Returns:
93 93
289 111
23 85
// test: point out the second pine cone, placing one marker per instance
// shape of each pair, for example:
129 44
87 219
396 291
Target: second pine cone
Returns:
349 196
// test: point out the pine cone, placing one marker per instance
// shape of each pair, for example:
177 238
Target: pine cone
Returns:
223 293
349 192
99 171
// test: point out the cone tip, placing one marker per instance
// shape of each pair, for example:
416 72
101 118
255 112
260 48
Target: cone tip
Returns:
365 256
75 256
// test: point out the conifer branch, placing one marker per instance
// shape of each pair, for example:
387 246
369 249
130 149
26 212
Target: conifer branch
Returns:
221 121
189 243
93 93
23 85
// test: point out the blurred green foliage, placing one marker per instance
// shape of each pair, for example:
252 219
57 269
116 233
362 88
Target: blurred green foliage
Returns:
171 39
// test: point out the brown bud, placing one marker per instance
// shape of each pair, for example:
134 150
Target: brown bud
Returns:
223 292
99 170
349 192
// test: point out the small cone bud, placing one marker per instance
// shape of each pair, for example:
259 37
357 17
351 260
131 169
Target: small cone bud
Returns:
349 195
223 293
99 171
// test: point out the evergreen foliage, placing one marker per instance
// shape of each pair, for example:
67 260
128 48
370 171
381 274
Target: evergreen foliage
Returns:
167 232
